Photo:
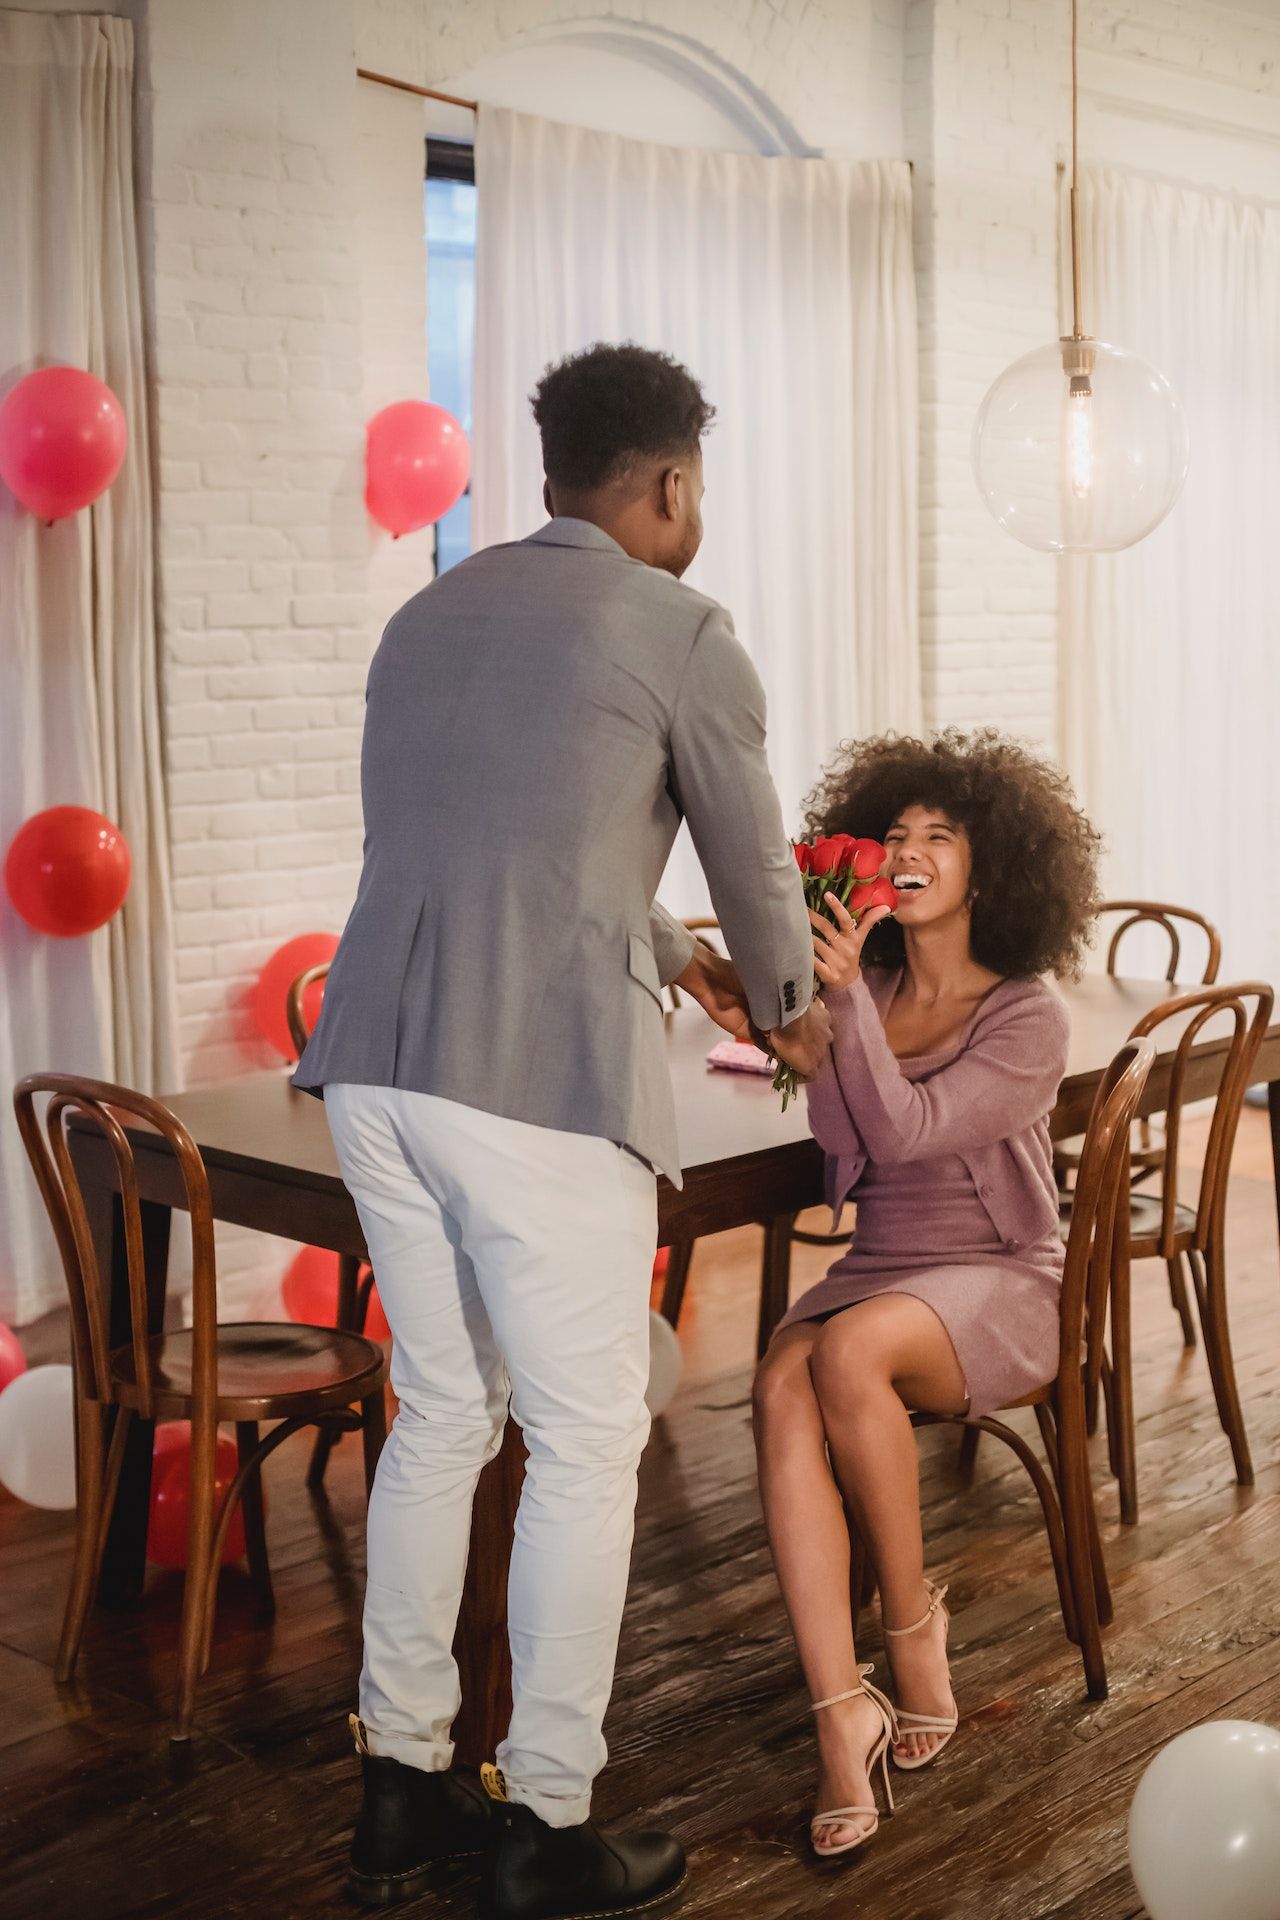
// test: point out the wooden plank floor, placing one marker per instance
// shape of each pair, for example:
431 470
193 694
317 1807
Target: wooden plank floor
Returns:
1023 1820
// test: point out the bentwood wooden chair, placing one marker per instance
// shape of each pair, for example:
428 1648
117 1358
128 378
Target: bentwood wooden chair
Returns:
779 1234
1096 1251
1147 1148
1162 1228
207 1373
1147 1154
354 1284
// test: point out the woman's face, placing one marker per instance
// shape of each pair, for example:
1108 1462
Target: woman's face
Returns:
930 865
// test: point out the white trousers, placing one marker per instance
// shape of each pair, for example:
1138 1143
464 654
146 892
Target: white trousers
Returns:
512 1261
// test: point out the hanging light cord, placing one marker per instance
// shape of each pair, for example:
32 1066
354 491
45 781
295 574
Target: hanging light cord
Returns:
1077 331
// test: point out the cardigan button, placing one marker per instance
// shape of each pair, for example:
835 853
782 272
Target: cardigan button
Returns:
1014 1246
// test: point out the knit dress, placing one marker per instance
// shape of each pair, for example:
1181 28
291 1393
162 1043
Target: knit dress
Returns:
947 1158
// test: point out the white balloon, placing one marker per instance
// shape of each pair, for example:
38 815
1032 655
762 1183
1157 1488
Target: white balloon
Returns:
1204 1828
666 1362
37 1437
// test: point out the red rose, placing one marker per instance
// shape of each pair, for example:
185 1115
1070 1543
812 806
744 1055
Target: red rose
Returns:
804 855
877 893
834 854
869 856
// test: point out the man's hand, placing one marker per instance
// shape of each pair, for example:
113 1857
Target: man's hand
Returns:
804 1042
713 982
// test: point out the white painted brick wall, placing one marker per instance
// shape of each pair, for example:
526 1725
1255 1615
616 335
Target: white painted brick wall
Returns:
289 302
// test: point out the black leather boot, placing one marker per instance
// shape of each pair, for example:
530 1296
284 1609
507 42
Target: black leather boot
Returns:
411 1823
536 1872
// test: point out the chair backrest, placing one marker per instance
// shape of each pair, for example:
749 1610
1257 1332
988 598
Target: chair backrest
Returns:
49 1152
1099 1223
1204 1006
295 1007
1153 913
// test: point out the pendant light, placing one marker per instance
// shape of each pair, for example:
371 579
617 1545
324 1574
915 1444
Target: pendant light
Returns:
1079 447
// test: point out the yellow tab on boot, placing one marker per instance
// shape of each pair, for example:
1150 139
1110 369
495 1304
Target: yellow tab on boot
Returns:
358 1734
492 1781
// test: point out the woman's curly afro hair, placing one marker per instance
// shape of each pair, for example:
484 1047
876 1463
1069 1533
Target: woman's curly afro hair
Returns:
1034 882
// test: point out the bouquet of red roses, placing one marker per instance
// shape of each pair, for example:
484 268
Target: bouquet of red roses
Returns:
851 870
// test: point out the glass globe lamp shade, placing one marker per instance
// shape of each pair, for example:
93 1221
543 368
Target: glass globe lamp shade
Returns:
1080 448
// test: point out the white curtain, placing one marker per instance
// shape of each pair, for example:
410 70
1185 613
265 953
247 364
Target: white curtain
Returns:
1171 651
787 287
79 710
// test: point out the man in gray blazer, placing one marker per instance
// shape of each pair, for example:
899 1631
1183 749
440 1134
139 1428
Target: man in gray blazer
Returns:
490 1051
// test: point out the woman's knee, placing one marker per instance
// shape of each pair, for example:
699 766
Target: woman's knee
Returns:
783 1378
851 1362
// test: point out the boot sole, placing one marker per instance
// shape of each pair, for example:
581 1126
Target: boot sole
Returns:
614 1913
396 1889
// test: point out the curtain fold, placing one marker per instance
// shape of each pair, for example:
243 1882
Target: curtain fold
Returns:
79 694
787 287
1170 652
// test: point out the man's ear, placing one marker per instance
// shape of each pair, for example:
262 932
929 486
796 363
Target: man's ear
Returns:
546 499
671 486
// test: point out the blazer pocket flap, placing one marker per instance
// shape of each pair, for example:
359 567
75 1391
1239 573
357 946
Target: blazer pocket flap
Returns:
642 966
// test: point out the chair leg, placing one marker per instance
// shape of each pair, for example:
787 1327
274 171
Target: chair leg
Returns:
92 1505
1092 1406
967 1458
349 1318
1120 1400
1211 1294
199 1588
775 1278
254 1530
1080 1525
679 1259
373 1432
1049 1494
1181 1300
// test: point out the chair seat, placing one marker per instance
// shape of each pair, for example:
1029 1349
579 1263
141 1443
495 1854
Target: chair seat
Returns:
1145 1211
266 1370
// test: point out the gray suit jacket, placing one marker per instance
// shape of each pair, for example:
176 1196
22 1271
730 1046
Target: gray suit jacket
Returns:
539 719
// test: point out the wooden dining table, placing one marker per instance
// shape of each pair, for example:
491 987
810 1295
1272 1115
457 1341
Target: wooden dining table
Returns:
271 1166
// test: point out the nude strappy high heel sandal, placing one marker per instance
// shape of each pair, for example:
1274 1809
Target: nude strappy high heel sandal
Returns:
879 1752
924 1722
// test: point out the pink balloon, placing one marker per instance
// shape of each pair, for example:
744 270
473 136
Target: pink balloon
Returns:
13 1360
63 440
417 464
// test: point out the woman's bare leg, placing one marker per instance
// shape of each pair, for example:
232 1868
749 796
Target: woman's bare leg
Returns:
809 1535
869 1365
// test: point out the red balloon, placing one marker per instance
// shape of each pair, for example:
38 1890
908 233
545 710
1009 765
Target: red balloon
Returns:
13 1360
661 1261
171 1496
417 464
67 871
311 1293
271 990
63 439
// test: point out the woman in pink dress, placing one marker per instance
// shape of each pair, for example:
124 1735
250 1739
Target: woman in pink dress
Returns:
932 1109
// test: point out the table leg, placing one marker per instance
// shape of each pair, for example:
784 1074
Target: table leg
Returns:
124 1561
481 1647
775 1278
1273 1105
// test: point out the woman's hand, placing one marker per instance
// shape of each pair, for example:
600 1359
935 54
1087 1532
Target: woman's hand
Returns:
837 950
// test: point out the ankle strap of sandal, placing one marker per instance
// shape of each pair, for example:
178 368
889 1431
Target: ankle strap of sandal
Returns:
851 1693
936 1597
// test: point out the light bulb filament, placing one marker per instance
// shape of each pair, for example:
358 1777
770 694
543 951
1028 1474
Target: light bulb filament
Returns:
1080 463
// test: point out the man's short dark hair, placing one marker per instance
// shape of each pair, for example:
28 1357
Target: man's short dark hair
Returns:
606 409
